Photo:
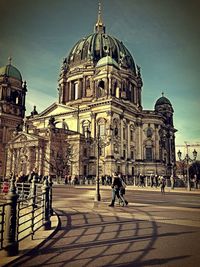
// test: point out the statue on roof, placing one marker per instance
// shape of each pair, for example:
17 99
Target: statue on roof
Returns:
52 122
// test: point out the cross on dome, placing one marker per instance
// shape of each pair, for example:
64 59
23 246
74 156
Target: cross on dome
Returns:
9 60
99 26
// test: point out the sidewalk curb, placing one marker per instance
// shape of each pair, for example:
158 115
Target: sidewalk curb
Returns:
27 245
147 189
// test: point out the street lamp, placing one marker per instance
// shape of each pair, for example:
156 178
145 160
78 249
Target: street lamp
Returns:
100 142
187 160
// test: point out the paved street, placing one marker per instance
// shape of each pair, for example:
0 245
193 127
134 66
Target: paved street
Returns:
153 230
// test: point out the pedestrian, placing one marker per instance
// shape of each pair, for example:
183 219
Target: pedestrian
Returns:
152 180
156 180
172 181
162 184
116 185
122 192
142 181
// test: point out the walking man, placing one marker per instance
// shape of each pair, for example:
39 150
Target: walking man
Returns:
116 185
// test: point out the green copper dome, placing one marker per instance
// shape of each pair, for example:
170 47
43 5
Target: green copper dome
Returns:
10 71
107 61
99 45
162 101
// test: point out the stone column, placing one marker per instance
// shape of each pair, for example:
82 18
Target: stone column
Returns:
70 90
128 140
84 87
121 135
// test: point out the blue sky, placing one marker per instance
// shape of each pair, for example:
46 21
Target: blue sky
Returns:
162 35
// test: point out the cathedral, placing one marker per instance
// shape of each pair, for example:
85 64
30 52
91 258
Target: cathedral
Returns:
98 124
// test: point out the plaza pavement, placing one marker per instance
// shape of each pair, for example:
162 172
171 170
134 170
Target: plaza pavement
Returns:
28 245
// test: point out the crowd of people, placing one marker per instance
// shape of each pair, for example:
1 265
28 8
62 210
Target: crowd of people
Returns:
107 180
27 178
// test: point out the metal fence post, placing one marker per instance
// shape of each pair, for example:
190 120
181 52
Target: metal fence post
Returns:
33 195
45 191
50 195
12 246
33 190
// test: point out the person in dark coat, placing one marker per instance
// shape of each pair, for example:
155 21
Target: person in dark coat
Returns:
162 184
116 186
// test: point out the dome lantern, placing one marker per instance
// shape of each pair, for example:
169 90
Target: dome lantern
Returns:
99 26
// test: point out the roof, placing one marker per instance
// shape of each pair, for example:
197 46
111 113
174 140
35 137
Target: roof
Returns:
162 101
10 71
97 46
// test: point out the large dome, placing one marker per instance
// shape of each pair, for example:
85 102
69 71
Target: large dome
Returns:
99 45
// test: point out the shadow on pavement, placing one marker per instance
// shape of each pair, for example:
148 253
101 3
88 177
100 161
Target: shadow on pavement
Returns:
104 237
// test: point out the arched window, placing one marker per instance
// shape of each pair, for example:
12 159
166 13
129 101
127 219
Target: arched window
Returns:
131 134
132 154
101 89
114 91
149 154
149 132
15 97
101 127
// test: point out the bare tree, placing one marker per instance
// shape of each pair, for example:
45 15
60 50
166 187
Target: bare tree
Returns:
59 157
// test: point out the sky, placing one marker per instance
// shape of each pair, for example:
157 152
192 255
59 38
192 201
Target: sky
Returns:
163 37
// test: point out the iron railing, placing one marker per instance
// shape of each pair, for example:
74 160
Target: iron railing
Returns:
24 210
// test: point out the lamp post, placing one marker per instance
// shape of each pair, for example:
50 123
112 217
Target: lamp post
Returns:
100 142
187 160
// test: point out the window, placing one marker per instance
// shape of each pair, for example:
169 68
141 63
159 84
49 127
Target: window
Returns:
132 154
101 87
85 152
86 131
131 135
101 129
149 132
124 133
114 93
149 153
132 171
76 91
85 170
86 128
124 153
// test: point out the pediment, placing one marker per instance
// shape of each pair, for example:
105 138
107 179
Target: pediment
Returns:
24 137
56 109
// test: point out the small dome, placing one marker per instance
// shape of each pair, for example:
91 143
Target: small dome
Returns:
107 61
163 101
10 71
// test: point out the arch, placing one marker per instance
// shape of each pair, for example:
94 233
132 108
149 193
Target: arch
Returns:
149 132
101 88
14 97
